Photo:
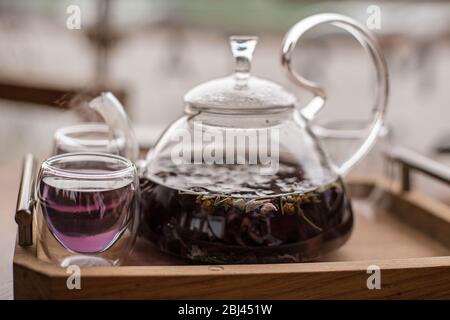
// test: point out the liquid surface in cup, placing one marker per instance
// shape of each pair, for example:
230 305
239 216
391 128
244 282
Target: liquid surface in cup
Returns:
229 214
86 216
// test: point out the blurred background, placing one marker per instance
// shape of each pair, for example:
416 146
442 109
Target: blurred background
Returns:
150 52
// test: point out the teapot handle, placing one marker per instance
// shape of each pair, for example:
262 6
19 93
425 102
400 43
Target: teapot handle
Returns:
368 42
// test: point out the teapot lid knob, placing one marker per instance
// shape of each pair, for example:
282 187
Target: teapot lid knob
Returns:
239 93
242 48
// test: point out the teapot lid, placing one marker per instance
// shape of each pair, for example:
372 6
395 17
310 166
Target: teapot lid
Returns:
240 92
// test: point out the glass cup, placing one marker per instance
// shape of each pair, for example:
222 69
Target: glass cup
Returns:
87 209
89 137
341 138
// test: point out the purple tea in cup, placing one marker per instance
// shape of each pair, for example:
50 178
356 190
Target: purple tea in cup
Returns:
87 216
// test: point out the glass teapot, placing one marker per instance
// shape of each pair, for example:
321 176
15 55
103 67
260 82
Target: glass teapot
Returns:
242 176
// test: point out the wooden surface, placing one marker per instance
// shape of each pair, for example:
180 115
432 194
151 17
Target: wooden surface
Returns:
413 264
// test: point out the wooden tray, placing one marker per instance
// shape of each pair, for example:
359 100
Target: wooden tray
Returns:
409 239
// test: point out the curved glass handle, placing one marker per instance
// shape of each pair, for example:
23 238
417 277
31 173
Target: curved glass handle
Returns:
370 45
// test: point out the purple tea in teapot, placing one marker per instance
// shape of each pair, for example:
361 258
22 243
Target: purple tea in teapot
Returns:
242 217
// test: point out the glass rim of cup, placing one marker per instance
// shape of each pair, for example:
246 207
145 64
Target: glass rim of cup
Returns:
128 168
62 135
352 129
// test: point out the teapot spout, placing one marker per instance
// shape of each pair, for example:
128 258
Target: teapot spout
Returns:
114 115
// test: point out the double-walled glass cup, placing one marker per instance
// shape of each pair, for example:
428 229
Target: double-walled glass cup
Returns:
115 136
88 137
87 208
341 138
